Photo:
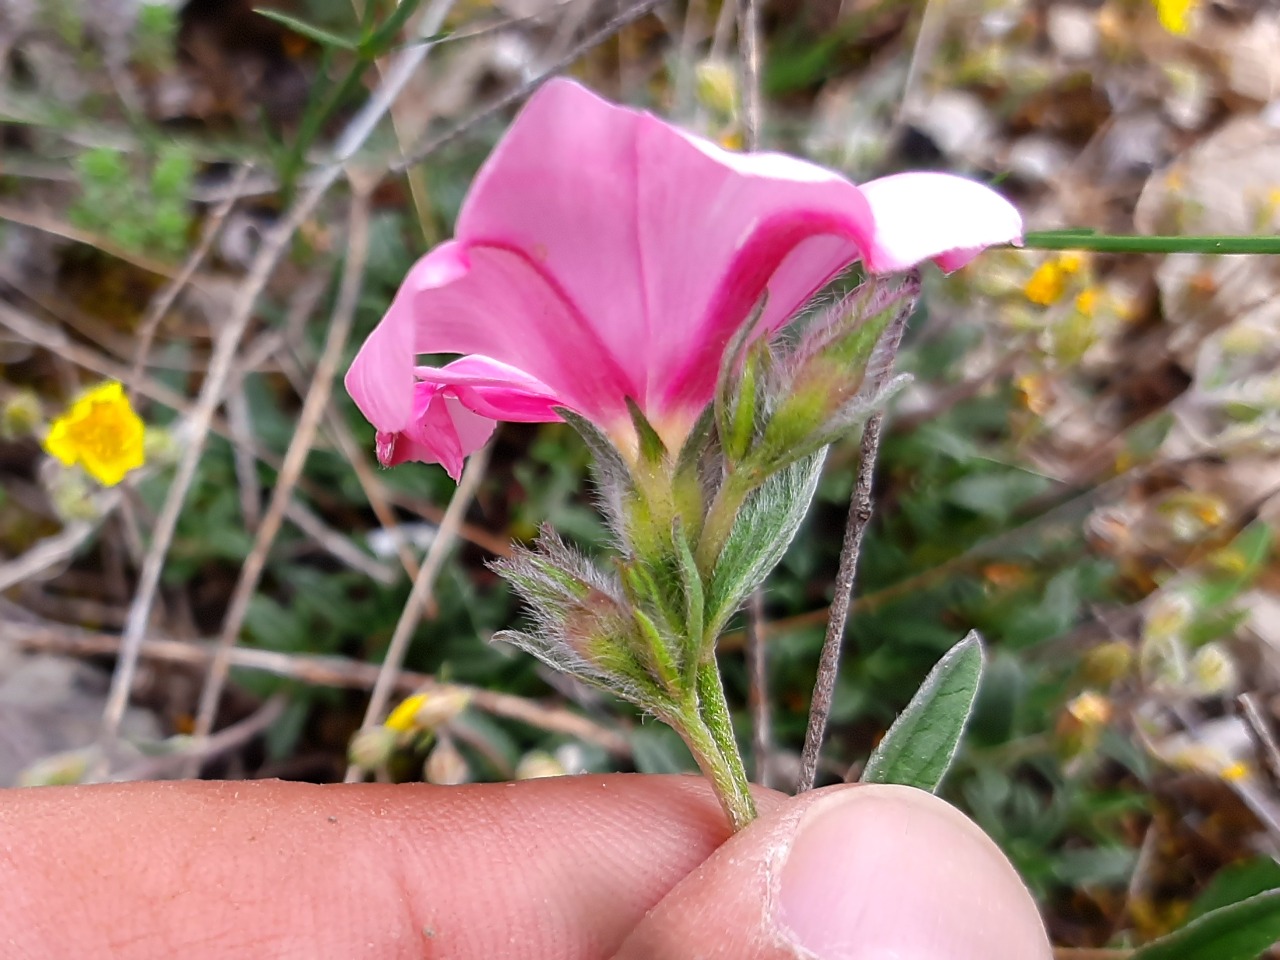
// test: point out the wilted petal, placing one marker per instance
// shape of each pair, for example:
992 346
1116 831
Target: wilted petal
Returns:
935 216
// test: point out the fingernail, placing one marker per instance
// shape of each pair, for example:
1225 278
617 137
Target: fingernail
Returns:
880 872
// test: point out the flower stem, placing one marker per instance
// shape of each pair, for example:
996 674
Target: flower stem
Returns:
735 793
707 729
1111 243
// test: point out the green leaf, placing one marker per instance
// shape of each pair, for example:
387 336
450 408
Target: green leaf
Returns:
1235 883
760 536
386 35
1241 931
659 749
922 742
320 35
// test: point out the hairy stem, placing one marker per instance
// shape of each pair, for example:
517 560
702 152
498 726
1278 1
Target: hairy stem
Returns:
703 728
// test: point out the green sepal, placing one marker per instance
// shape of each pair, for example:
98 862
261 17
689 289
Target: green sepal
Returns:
694 596
761 533
729 382
652 450
611 470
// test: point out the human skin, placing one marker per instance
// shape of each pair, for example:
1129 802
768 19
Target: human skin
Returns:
573 867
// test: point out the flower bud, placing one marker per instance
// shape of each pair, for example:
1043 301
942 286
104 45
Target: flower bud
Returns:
537 764
820 395
1080 725
161 447
427 710
445 765
1167 617
70 493
1213 672
372 747
61 769
1108 663
20 415
717 87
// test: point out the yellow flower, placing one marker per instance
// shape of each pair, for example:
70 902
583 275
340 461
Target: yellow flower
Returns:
403 718
101 433
1049 282
1087 301
1175 15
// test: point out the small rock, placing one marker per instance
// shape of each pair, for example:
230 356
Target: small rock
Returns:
958 123
1037 158
1073 31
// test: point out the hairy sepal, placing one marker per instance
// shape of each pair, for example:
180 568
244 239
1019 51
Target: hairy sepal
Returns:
760 536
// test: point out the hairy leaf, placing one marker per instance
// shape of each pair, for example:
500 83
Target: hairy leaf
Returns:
760 536
922 742
1240 931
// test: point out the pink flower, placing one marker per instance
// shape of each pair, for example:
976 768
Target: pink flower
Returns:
604 254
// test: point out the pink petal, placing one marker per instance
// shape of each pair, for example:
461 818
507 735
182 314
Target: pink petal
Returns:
381 378
507 308
935 216
443 432
661 241
495 390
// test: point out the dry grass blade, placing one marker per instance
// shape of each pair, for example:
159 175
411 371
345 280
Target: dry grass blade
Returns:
624 19
273 247
749 50
208 747
314 669
421 593
313 407
164 302
46 553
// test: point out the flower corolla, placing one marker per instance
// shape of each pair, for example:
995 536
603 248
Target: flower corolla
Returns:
604 256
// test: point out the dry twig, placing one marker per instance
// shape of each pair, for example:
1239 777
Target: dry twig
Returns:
273 247
164 302
421 593
295 457
624 19
860 509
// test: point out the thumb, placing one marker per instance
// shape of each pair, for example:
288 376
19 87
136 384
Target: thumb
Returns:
849 873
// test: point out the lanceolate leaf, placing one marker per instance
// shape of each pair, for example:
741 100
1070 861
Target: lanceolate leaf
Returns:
922 742
326 38
760 537
1240 931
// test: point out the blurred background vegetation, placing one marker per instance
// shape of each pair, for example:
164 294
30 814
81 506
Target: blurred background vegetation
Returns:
1083 468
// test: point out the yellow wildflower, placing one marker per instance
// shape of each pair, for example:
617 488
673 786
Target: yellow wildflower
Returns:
1087 301
1049 282
100 432
1175 15
403 719
1090 710
1235 772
